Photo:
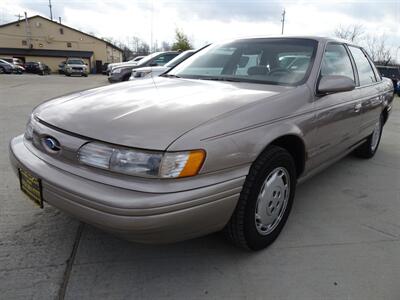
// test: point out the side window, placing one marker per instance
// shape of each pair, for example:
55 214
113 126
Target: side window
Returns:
336 61
365 71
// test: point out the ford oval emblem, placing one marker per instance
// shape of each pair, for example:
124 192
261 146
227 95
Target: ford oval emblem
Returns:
52 144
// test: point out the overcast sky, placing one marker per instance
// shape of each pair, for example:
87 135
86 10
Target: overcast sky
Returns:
212 20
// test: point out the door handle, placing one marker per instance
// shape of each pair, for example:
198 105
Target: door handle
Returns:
357 107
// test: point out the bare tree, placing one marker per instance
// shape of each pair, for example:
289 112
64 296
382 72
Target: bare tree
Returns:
377 49
351 33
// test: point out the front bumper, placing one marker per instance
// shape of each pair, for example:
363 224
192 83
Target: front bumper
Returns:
136 216
116 77
76 72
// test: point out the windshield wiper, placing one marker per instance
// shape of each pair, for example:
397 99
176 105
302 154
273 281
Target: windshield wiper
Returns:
220 79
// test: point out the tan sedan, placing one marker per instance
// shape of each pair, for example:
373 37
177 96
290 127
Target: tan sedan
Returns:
217 143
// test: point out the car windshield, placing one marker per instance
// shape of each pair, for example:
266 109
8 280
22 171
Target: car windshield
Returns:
147 58
280 61
6 62
75 62
178 59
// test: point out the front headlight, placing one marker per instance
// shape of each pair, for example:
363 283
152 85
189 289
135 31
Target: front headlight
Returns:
115 71
29 129
142 163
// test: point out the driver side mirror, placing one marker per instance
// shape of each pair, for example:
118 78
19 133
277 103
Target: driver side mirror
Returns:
153 64
334 84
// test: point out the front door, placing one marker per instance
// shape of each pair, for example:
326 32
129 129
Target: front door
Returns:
337 117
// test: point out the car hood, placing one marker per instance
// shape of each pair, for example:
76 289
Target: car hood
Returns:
155 71
123 64
150 113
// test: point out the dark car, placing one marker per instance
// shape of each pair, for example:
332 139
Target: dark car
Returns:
156 59
104 69
61 67
37 68
392 72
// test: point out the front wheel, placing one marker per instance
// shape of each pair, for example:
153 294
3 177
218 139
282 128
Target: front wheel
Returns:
369 148
265 201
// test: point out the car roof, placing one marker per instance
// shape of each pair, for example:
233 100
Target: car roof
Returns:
322 39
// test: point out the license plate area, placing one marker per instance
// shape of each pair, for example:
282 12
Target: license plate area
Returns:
31 186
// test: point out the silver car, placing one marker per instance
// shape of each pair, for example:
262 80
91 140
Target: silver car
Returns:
218 143
75 66
147 72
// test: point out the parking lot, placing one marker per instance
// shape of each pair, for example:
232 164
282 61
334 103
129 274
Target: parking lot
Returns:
342 240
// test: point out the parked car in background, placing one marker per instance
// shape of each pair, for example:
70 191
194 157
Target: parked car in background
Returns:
146 72
392 72
124 72
6 67
14 61
131 62
104 69
61 67
206 146
37 68
75 66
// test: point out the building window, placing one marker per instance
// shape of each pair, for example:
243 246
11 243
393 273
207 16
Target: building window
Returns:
61 30
69 45
24 43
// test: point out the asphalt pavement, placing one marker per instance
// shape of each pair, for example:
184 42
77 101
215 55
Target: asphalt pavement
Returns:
342 239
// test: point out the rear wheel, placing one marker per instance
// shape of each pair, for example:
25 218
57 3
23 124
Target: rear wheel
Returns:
265 201
369 148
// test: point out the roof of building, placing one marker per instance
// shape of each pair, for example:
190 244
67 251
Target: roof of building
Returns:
44 52
61 24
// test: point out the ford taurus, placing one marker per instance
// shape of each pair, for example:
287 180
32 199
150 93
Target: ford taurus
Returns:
217 143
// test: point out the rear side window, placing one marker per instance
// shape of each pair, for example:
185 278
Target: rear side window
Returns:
336 61
365 71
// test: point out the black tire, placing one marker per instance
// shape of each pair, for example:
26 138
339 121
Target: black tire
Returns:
241 228
126 77
2 70
68 75
366 150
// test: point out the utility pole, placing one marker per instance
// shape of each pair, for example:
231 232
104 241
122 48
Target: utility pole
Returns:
283 20
28 31
19 17
51 11
151 26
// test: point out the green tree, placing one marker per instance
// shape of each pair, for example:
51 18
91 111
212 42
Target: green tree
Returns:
182 42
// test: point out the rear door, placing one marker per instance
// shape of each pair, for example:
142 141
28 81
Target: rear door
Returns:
337 117
370 91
